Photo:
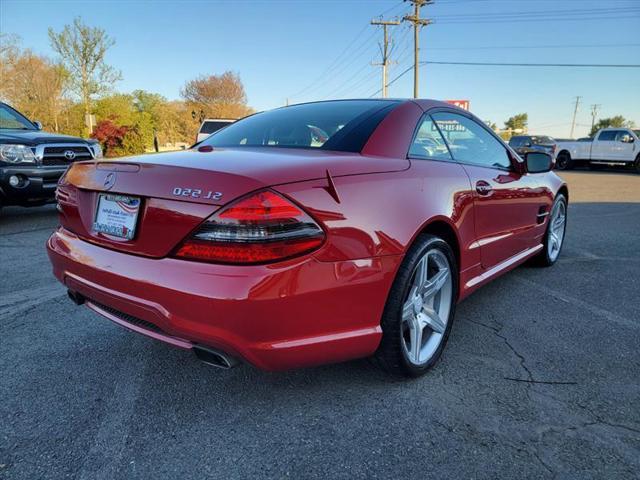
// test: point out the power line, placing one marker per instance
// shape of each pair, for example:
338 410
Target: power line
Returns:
549 18
515 47
344 59
539 13
499 64
332 65
496 64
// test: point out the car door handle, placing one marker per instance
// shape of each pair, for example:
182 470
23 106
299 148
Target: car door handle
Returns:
483 188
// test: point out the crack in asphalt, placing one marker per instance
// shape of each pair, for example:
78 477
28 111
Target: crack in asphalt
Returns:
540 381
496 331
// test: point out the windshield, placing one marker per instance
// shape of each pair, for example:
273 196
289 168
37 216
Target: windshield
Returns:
542 140
213 126
10 119
637 132
343 125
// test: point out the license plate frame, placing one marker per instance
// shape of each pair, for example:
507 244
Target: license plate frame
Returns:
117 215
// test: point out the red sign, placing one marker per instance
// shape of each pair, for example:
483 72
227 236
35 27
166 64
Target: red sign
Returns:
464 104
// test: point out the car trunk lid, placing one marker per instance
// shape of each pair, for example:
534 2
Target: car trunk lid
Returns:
178 191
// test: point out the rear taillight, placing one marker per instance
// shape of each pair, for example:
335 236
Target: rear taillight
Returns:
262 227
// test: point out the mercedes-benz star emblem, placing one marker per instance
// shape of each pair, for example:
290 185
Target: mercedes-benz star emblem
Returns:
109 181
69 154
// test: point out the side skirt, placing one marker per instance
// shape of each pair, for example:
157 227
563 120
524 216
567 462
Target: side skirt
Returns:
502 267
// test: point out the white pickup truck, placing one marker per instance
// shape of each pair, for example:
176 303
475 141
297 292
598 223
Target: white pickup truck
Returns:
610 146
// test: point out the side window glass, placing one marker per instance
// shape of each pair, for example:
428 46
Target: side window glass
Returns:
469 142
428 142
623 136
607 136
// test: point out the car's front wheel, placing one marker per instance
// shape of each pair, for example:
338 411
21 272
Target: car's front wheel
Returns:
419 312
636 164
563 161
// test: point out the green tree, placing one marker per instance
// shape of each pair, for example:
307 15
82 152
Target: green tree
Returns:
617 122
118 107
517 122
491 125
83 50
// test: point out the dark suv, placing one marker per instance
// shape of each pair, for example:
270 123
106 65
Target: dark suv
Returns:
32 161
533 143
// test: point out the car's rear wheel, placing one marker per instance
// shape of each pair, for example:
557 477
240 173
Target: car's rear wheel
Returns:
563 161
419 313
554 236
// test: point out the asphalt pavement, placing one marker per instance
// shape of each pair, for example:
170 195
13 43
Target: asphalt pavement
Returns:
540 379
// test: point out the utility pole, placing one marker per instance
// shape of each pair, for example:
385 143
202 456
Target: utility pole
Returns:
417 24
594 114
385 51
575 112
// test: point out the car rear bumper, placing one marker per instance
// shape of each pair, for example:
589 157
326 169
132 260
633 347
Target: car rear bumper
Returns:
38 184
294 314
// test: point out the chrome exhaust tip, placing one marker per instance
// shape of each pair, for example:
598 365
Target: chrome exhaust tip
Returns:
214 357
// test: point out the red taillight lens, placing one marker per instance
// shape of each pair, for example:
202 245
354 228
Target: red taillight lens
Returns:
260 228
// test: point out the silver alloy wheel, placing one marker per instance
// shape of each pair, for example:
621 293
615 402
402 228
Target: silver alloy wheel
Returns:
425 311
556 229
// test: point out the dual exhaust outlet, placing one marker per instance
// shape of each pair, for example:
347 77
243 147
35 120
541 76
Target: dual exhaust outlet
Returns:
205 354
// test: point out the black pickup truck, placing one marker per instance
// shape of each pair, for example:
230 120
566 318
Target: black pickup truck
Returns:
32 161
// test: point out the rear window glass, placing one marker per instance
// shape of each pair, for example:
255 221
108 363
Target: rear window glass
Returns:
337 125
213 126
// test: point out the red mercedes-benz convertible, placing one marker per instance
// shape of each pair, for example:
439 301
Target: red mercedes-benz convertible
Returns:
308 234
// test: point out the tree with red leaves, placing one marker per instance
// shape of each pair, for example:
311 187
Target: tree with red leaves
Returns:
111 137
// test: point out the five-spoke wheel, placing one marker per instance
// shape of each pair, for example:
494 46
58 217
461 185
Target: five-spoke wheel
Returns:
425 312
554 237
419 312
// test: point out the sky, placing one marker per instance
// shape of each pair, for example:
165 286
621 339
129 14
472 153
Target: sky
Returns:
304 50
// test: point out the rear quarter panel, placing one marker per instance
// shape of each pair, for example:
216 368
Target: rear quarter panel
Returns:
382 214
577 150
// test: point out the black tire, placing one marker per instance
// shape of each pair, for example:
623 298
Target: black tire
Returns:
391 355
563 161
636 164
543 258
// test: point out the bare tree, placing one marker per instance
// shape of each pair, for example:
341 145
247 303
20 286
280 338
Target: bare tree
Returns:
83 49
9 51
217 95
32 83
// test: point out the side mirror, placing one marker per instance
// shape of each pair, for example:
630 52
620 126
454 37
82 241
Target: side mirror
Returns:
38 125
626 138
538 162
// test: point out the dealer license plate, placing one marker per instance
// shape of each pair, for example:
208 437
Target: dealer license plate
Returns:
116 215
